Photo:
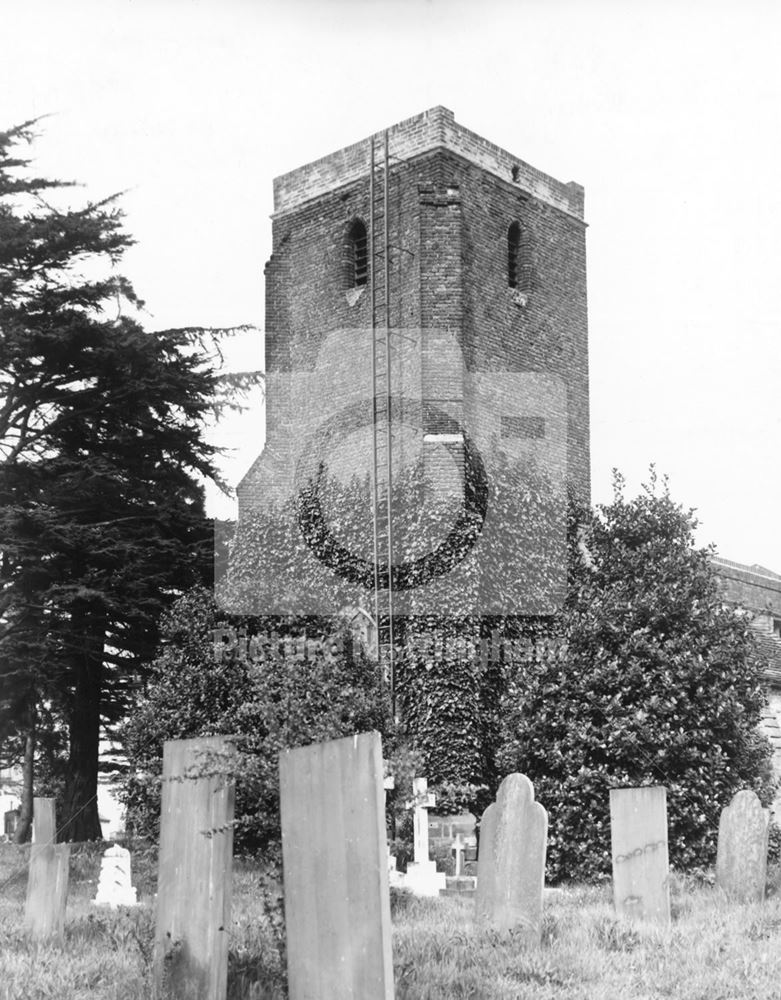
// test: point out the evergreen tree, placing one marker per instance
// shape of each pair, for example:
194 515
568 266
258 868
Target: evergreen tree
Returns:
103 455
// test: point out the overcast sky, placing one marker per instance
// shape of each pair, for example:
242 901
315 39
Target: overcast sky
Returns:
667 113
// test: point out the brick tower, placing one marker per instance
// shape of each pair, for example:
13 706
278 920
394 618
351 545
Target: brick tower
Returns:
485 299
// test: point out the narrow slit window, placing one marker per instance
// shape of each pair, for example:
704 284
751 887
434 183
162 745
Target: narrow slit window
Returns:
359 254
513 254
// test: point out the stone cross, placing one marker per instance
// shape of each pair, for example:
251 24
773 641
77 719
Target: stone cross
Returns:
458 849
422 801
422 877
741 859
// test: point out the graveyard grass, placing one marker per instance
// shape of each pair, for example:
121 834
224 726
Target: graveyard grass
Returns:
714 949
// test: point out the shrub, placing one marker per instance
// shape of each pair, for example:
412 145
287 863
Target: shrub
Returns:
648 679
271 703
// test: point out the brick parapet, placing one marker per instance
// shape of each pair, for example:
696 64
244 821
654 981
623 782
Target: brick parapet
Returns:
434 129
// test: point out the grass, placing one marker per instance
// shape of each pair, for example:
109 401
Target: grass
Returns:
714 950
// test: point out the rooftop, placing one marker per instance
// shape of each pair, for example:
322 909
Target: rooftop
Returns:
430 130
760 574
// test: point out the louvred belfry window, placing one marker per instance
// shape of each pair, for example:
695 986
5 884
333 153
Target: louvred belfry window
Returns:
513 254
359 254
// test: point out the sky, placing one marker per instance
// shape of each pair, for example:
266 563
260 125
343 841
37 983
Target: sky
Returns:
667 113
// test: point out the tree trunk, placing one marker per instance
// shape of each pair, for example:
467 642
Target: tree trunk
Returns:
24 824
80 813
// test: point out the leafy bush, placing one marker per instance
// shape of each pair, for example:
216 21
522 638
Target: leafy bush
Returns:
649 679
271 703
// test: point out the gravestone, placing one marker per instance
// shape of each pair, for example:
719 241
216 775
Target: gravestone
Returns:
47 881
337 903
422 876
511 861
459 849
486 875
44 827
114 885
741 859
395 877
195 867
638 833
10 819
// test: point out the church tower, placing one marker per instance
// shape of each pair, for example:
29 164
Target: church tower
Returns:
431 248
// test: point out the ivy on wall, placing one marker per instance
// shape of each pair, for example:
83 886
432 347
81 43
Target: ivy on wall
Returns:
448 696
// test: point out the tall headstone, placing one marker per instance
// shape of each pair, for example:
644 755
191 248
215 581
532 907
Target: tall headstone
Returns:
115 887
741 859
44 826
422 876
47 881
511 862
486 864
195 867
638 832
337 904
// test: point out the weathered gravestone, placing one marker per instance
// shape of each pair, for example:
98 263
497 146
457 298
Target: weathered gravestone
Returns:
47 881
335 871
422 876
486 867
638 833
44 827
195 867
741 858
114 884
10 820
511 860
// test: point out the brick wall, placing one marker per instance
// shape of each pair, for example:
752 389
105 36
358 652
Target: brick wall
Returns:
759 592
452 200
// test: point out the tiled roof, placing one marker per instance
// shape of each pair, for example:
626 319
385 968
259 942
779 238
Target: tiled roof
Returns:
770 648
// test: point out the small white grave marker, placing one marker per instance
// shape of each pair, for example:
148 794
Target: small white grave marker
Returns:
422 875
395 877
458 848
114 886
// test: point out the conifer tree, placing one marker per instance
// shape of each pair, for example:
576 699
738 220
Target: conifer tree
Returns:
102 459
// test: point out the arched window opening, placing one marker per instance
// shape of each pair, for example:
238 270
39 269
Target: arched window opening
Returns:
358 254
513 254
